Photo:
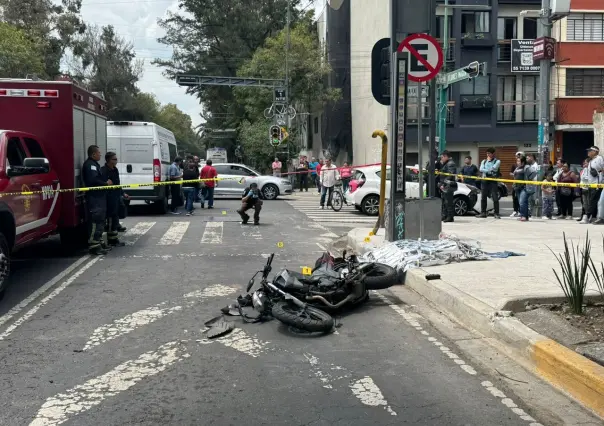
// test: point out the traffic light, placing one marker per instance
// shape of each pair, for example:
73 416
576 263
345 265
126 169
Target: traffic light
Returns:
275 135
380 71
474 69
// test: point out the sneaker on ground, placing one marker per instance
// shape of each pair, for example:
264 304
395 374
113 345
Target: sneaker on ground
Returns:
514 214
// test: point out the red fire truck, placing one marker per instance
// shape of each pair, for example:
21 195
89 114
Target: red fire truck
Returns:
45 130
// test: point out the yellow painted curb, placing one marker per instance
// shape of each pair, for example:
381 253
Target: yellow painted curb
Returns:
571 372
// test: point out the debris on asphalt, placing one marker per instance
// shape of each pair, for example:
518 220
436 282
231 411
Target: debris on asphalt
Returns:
408 254
219 329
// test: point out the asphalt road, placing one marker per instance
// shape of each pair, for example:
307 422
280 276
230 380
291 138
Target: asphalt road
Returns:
118 340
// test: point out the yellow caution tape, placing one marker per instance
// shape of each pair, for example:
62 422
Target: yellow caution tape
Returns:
110 187
527 182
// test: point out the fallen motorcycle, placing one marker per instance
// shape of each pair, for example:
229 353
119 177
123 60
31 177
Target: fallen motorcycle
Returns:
336 283
269 300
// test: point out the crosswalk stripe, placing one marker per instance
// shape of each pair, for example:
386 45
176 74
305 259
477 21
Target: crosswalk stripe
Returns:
213 233
174 234
137 231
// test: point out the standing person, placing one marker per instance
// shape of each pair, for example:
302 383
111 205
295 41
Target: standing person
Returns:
584 189
489 169
303 174
448 186
190 189
548 197
469 169
531 162
210 173
566 192
515 202
276 166
593 176
327 179
345 175
198 170
318 178
520 175
313 170
114 197
251 200
175 174
96 200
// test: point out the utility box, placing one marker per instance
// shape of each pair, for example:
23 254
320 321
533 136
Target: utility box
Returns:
559 9
411 219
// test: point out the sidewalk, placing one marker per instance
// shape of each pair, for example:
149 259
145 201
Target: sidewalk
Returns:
476 293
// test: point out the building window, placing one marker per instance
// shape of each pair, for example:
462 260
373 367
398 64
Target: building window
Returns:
584 82
585 27
506 98
440 26
475 86
475 22
529 97
506 30
530 28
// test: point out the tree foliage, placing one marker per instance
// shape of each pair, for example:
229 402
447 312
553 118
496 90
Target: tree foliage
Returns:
19 54
171 117
108 64
54 27
307 70
253 136
215 37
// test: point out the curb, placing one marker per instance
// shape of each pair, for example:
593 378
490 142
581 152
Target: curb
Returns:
565 369
570 372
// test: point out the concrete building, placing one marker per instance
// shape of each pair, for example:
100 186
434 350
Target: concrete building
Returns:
578 79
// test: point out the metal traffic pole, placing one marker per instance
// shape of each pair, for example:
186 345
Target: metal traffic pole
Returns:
420 159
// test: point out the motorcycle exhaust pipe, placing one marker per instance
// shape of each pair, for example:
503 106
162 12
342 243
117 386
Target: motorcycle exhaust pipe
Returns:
336 306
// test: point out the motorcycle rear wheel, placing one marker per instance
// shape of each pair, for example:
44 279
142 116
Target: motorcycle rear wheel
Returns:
381 277
308 319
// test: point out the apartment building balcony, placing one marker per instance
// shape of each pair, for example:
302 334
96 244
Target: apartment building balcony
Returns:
520 111
504 50
451 50
477 40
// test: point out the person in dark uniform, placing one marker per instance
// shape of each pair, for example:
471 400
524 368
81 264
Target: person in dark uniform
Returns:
96 200
448 186
251 200
114 198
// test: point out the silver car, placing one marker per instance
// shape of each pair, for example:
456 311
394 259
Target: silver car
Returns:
241 176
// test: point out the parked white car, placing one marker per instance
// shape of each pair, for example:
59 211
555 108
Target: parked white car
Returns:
240 176
366 197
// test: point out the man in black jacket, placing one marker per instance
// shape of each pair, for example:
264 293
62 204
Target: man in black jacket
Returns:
114 199
251 200
96 199
448 186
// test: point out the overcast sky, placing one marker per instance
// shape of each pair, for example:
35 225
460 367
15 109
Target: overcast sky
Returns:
136 21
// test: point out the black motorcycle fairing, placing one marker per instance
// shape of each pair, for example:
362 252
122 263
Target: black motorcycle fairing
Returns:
292 281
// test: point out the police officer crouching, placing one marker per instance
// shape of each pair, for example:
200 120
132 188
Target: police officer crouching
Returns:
114 198
251 200
96 199
448 186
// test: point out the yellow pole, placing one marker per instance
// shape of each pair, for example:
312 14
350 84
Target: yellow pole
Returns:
384 138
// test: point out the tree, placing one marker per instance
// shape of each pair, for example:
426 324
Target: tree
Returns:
179 123
258 152
19 54
308 70
108 64
215 37
55 26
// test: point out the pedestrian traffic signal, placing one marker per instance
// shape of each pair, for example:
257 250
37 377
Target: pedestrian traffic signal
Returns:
380 71
275 135
475 69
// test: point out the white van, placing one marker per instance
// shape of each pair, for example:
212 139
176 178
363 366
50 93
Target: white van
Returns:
145 152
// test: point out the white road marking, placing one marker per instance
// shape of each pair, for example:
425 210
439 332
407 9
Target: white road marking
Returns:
174 234
212 233
509 403
326 377
147 316
243 342
321 247
330 235
15 310
127 324
59 408
368 393
48 298
137 231
253 233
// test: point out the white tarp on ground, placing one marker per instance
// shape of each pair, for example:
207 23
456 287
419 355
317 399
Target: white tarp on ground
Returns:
408 254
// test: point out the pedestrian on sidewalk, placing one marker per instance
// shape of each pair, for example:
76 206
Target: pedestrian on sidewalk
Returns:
548 197
328 175
521 174
276 166
174 175
345 175
447 187
557 171
468 171
566 192
531 161
318 178
584 189
593 176
190 189
515 202
489 168
209 182
303 173
313 171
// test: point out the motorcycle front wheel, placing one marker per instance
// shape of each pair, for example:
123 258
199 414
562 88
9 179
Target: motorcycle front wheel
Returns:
308 319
